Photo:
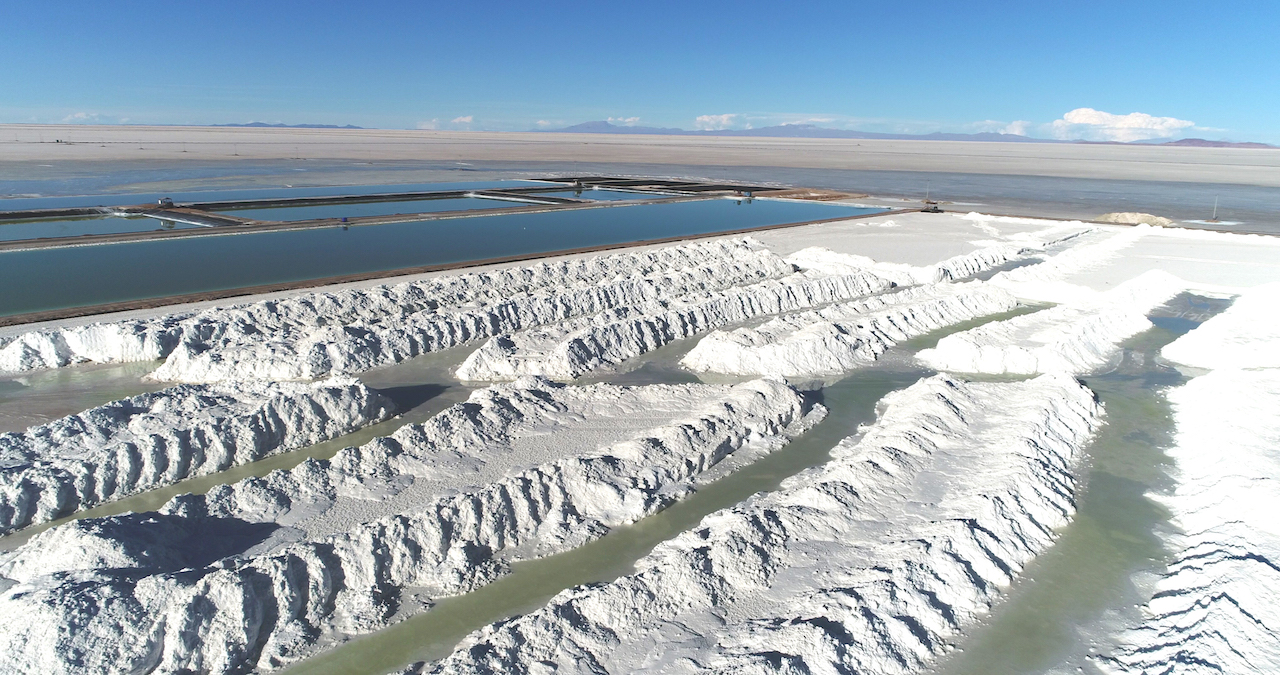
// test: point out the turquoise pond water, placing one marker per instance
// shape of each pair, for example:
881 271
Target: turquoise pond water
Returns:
290 213
23 203
602 195
37 280
72 227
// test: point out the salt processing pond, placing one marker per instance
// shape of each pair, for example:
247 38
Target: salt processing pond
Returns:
71 227
38 280
290 213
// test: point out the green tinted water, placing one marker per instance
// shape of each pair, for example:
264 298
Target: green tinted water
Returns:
1073 596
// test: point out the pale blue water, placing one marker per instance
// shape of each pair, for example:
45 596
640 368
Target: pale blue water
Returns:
71 227
22 203
290 213
602 195
89 275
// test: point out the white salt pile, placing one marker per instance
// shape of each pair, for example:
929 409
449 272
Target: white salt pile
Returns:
271 566
1073 338
843 336
567 350
160 438
866 564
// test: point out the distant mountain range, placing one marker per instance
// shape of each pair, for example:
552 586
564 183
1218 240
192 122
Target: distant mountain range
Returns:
289 126
812 131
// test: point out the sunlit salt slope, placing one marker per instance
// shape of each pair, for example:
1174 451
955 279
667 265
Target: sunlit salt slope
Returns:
160 438
317 334
869 563
843 336
569 349
1075 337
276 564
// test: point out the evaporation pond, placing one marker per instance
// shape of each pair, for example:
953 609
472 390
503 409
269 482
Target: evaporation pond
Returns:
289 213
604 195
73 227
37 280
23 203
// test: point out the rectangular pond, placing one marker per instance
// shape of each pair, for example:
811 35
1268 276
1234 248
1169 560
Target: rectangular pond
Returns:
22 203
73 227
291 213
36 280
603 195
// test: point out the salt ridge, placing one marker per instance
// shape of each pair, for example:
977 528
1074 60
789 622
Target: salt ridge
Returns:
870 563
291 338
1072 338
570 349
115 595
157 439
958 267
843 336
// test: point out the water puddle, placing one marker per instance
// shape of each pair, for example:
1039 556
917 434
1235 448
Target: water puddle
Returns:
38 398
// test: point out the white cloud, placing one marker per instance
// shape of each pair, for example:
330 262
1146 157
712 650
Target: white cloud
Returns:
543 123
1017 128
1094 125
465 119
719 122
624 121
429 124
88 118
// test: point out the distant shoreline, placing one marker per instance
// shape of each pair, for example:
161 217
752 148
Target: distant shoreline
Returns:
67 145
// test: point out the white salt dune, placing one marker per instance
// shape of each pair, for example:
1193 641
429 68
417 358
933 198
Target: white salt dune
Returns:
1217 608
1045 281
1244 336
315 335
825 260
160 438
843 336
254 574
570 349
869 563
1072 338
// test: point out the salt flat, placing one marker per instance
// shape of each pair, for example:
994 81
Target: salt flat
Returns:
908 533
80 143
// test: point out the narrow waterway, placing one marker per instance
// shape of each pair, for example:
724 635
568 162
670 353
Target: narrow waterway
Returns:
1072 598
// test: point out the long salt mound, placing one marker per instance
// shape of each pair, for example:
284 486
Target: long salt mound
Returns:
868 563
315 334
572 348
952 269
844 336
200 588
1217 609
1044 282
1244 336
160 438
1071 338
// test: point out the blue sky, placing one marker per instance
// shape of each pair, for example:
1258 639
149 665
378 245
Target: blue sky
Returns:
1187 68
